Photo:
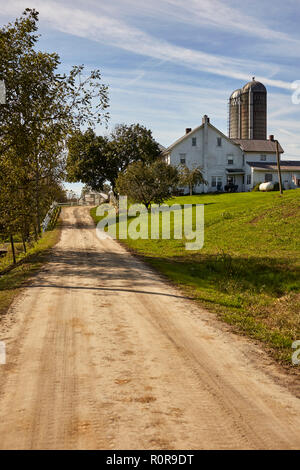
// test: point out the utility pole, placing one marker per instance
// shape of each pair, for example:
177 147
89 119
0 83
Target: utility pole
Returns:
278 167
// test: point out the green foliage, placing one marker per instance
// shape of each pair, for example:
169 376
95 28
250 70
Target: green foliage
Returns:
147 183
256 187
131 144
42 109
13 279
191 177
89 160
93 159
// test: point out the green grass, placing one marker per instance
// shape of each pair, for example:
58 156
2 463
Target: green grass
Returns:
12 281
248 271
6 262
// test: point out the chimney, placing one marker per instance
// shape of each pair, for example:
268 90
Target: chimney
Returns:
205 119
271 137
188 130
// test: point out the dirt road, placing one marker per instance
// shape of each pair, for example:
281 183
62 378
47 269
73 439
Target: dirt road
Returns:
101 353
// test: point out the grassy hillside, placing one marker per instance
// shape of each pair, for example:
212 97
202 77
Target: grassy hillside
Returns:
248 271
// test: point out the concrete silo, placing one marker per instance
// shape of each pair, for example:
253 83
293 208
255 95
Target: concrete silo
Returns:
248 112
235 114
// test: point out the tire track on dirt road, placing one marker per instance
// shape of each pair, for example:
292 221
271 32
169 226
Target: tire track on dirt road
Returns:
102 353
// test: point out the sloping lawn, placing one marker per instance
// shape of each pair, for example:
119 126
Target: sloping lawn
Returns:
248 270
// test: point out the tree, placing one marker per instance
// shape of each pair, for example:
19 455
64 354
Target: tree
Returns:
191 178
94 159
43 108
130 144
89 160
147 183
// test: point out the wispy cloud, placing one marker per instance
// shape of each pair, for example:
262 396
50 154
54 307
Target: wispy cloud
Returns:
117 33
216 14
221 15
167 85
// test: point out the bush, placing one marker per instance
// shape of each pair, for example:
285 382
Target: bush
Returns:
256 187
148 183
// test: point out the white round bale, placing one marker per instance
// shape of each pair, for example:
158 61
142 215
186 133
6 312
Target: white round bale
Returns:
266 186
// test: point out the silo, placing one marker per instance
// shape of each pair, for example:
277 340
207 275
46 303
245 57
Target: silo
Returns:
251 110
254 111
235 115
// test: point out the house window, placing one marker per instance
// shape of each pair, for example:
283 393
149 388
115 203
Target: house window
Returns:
194 141
230 179
217 182
263 158
182 158
268 177
219 141
248 179
230 161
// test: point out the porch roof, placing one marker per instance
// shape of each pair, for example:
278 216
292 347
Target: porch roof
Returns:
233 171
285 165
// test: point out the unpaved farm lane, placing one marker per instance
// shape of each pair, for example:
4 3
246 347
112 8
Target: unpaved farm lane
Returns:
101 353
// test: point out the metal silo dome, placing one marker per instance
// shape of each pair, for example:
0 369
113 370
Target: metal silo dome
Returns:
234 114
254 86
248 112
235 93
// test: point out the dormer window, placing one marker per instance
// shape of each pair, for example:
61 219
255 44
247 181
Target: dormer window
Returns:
219 142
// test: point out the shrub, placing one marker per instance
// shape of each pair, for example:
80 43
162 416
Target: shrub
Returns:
256 187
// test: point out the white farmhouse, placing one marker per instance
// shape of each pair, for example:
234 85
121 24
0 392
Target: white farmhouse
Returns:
240 162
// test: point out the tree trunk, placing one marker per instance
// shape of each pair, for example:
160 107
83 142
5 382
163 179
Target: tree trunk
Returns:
37 197
191 190
35 232
24 243
13 248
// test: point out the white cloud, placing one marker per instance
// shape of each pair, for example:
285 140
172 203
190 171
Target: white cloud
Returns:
167 106
215 13
117 33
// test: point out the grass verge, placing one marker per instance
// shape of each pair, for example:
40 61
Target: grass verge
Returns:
12 281
248 271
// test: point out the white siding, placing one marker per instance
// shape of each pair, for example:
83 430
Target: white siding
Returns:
213 159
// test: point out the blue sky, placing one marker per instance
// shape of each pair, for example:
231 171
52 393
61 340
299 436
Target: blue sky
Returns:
168 62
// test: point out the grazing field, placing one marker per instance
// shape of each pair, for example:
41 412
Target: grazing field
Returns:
248 271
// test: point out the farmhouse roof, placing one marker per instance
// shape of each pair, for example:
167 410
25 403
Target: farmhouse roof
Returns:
285 165
254 145
187 135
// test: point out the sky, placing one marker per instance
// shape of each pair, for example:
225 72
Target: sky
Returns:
169 62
